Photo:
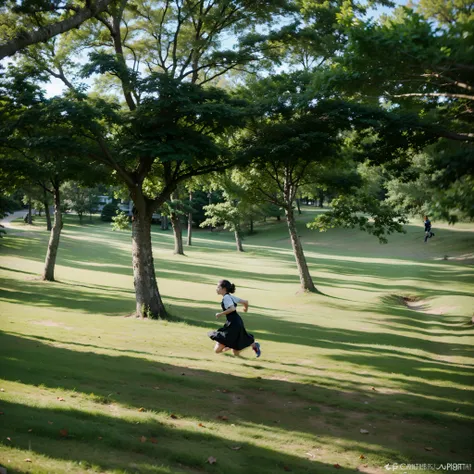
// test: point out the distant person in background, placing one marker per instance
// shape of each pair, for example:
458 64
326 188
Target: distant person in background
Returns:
233 334
428 233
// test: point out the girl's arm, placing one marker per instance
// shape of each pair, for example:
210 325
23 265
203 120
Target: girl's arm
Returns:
227 311
232 308
245 303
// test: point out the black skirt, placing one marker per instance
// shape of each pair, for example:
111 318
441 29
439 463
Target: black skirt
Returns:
233 333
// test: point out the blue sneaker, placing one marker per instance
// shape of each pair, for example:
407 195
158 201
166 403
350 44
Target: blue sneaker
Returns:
256 348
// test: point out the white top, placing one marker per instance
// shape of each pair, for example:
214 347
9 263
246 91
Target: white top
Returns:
229 300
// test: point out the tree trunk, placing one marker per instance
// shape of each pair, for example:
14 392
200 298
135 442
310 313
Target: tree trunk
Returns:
118 45
251 225
209 195
190 220
30 215
305 278
238 241
148 299
47 214
278 218
80 218
321 199
178 234
177 230
164 222
298 206
53 244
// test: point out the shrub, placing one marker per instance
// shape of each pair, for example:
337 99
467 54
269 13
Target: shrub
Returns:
121 221
108 212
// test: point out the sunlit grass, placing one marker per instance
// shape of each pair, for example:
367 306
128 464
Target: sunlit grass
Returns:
86 389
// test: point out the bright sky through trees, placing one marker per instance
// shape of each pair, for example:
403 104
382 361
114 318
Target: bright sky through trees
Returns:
56 86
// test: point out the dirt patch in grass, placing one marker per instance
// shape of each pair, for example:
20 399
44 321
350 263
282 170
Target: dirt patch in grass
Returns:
465 259
402 300
416 303
423 306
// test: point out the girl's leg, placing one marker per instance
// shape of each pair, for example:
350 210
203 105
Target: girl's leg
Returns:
235 352
218 348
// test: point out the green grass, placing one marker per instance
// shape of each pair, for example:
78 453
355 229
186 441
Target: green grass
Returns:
86 389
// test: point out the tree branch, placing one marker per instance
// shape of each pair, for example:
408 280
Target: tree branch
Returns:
118 46
275 177
465 137
436 94
295 182
60 75
204 170
272 198
109 159
180 21
462 85
47 32
160 31
218 74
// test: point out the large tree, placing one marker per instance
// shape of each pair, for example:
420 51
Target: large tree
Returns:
39 147
160 55
302 133
167 140
423 67
291 137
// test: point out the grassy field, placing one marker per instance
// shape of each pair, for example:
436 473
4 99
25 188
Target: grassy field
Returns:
375 370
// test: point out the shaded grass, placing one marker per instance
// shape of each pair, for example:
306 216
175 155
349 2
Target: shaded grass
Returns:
332 364
125 384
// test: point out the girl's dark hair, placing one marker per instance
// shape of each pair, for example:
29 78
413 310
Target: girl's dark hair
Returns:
230 287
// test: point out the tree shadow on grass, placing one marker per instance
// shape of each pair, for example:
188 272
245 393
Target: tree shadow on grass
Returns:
65 296
437 274
104 442
401 289
113 302
424 321
94 299
16 271
385 352
94 286
305 411
460 330
278 330
389 273
426 324
313 335
77 254
97 257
